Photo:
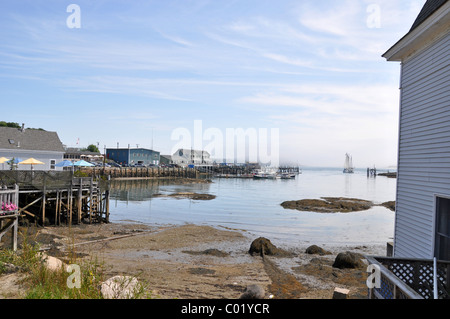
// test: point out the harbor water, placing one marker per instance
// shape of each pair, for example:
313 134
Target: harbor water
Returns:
253 206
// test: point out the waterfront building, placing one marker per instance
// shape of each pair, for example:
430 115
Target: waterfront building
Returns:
133 156
166 159
423 178
76 154
185 157
418 266
22 144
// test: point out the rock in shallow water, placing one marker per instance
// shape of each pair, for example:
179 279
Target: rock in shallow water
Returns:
329 205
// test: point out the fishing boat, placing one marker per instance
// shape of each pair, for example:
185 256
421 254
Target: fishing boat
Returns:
287 176
265 174
348 166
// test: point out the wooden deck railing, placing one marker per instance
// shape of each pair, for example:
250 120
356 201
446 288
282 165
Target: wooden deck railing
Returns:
9 201
403 278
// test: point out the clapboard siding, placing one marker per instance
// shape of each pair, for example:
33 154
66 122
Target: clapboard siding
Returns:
420 103
424 147
426 62
434 117
432 158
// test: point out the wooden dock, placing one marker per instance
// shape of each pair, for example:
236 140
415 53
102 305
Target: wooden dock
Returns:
139 172
59 198
247 171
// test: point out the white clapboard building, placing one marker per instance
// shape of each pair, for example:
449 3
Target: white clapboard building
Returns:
422 222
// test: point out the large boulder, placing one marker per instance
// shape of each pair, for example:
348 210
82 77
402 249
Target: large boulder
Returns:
52 263
348 260
253 292
120 287
262 246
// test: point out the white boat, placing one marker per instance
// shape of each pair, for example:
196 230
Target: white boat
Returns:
348 166
287 176
266 174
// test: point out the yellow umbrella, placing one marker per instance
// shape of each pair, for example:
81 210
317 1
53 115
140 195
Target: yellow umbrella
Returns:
2 161
31 161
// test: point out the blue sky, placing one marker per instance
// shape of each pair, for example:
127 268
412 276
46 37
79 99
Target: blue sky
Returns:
137 70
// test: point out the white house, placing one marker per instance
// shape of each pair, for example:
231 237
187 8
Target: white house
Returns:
184 157
21 143
422 222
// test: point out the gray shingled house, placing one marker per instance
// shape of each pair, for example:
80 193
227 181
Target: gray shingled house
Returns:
20 143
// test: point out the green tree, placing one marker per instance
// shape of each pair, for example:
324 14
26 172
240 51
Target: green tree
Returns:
10 124
93 148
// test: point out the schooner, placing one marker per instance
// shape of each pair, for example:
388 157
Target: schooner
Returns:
348 166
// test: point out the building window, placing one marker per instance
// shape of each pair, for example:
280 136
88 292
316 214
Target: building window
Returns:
52 164
442 245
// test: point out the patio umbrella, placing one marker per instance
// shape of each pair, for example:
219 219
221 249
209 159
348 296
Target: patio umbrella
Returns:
64 163
31 161
2 161
15 160
82 163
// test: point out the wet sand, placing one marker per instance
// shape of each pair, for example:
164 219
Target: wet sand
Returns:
191 261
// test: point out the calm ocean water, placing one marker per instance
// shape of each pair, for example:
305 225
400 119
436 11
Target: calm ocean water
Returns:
254 206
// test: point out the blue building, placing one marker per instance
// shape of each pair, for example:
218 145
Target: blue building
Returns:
133 156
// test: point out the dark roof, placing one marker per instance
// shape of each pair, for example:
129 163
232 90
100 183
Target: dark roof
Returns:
29 139
428 9
73 150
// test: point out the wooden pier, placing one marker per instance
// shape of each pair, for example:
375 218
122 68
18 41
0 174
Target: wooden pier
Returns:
59 198
140 172
199 171
247 171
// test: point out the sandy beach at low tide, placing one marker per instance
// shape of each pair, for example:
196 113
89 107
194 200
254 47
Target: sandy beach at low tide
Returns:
192 261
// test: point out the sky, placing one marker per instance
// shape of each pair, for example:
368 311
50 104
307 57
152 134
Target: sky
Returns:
137 73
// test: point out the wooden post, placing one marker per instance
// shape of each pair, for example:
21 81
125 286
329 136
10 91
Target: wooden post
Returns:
56 207
59 207
107 201
44 199
16 220
90 199
69 201
80 195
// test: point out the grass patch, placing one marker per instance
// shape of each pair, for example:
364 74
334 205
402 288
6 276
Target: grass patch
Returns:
83 281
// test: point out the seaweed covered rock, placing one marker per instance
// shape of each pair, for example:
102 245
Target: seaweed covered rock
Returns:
253 292
316 250
348 260
329 205
262 246
389 205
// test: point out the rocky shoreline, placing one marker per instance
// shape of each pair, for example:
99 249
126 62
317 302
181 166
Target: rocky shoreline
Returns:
194 261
